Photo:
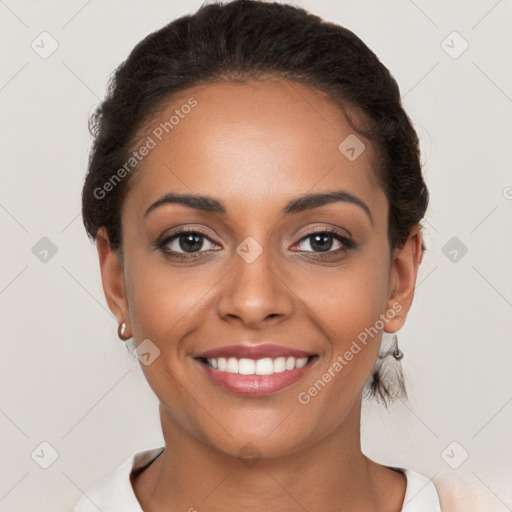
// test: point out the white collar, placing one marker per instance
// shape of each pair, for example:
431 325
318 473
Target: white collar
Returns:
115 492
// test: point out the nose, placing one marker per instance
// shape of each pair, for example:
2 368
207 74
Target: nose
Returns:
254 292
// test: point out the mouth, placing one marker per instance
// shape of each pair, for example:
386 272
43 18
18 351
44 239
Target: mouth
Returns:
256 376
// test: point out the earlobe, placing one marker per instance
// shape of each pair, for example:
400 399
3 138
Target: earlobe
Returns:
112 277
402 279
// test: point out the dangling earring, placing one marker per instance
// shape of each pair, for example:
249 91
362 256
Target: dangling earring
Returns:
397 353
387 381
392 374
121 331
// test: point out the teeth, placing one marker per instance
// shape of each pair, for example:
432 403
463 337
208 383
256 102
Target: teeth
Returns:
301 362
232 365
245 366
265 366
279 365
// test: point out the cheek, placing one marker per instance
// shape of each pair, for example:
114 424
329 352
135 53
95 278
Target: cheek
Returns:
167 306
163 300
347 299
349 308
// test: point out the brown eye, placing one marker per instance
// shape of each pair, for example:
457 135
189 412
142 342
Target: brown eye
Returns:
325 244
186 244
323 241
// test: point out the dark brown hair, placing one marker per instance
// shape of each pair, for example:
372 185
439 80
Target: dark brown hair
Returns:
245 39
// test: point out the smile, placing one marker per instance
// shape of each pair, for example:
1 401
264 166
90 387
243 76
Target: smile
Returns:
255 377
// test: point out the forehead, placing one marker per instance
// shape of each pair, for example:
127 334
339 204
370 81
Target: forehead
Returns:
251 142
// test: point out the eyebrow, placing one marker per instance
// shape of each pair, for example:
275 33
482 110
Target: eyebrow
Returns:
296 205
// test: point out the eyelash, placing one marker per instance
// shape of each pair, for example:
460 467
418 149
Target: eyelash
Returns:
347 244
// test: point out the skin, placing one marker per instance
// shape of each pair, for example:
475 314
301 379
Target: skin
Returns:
255 146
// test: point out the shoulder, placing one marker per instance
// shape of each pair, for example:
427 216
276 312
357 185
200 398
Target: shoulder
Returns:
449 494
115 492
421 494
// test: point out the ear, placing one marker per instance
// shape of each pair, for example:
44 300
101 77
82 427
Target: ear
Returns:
112 278
402 279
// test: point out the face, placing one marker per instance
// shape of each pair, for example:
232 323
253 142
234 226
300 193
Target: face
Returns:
267 258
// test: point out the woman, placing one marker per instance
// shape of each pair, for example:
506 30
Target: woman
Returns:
255 193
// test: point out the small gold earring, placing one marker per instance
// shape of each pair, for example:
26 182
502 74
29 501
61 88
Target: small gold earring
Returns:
121 330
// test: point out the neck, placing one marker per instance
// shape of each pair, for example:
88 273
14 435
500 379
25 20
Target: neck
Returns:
330 474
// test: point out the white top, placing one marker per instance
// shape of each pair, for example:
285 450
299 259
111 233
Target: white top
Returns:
115 492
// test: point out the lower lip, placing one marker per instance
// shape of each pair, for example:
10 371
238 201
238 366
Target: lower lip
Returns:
256 385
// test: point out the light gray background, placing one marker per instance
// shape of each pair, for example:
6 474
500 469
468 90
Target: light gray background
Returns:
68 381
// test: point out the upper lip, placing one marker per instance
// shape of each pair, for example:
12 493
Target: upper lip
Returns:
251 351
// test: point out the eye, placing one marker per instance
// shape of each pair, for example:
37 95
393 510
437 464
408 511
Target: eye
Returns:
322 242
187 243
190 243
